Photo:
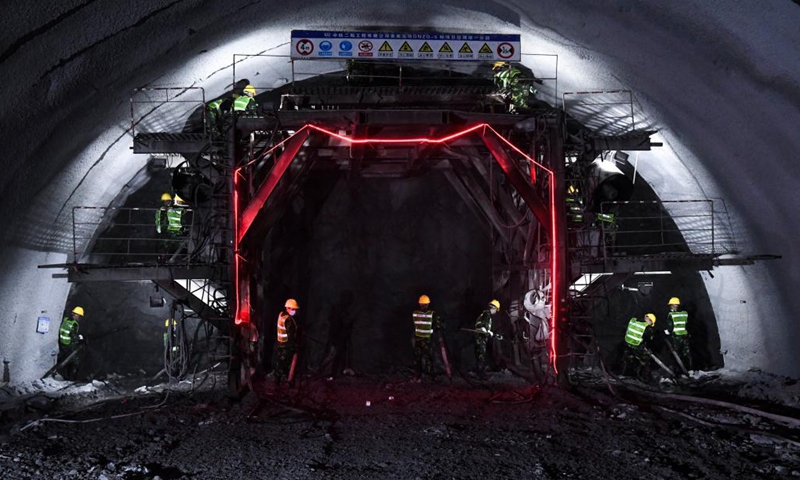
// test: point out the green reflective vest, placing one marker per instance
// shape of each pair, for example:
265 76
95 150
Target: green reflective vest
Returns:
174 219
68 331
635 334
607 218
484 321
423 323
215 106
244 103
679 322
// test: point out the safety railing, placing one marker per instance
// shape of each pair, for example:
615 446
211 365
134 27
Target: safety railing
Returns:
677 227
129 237
394 72
168 110
545 68
606 112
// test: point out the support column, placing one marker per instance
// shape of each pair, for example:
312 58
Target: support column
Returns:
556 162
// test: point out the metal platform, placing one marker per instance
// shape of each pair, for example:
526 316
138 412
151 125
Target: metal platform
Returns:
160 142
130 273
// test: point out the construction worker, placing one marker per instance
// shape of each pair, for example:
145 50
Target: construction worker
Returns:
638 337
287 342
607 222
170 336
574 205
677 333
246 102
169 224
216 111
483 331
69 338
426 321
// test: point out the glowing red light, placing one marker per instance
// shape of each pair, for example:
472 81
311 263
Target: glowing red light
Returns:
237 319
446 139
242 317
554 292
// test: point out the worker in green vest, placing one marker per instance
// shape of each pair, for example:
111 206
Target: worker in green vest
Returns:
169 218
69 338
607 222
677 333
216 111
483 331
574 205
169 226
426 321
246 102
638 337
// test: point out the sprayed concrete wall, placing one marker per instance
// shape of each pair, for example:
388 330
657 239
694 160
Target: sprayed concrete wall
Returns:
717 85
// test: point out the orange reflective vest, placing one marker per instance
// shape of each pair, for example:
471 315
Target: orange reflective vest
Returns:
283 335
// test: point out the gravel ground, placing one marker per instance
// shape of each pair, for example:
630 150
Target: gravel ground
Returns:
504 428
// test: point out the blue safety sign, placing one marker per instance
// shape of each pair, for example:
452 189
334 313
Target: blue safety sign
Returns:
476 47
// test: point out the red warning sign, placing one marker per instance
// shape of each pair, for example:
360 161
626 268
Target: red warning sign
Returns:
505 50
304 46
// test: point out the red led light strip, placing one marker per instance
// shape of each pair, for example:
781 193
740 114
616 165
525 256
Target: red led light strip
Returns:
554 292
359 141
236 318
553 283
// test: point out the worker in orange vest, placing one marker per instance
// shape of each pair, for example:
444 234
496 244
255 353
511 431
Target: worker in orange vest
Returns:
287 342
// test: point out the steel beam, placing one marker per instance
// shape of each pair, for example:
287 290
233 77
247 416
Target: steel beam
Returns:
506 201
178 292
253 208
517 179
130 274
631 141
480 198
556 162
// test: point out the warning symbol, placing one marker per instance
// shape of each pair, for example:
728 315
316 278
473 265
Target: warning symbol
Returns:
385 47
426 48
505 50
445 48
485 49
304 47
405 47
465 48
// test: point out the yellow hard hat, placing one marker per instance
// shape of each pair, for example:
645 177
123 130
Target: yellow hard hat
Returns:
424 299
674 301
651 317
178 199
498 65
292 303
166 197
495 304
250 90
78 310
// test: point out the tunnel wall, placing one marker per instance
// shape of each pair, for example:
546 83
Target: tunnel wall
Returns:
712 77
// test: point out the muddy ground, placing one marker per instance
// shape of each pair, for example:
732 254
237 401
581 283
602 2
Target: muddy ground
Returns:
503 428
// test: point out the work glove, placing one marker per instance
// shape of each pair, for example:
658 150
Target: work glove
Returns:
80 338
666 332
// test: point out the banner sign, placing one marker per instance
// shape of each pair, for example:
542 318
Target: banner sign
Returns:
474 47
